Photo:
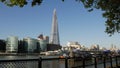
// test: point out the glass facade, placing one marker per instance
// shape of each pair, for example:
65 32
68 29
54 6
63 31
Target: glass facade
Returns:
12 44
30 44
43 44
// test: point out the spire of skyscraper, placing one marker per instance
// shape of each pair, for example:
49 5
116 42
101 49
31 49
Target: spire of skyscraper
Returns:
54 38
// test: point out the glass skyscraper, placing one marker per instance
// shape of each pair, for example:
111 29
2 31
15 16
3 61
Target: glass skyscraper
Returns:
54 38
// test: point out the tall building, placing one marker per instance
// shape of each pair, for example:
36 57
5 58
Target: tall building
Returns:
54 38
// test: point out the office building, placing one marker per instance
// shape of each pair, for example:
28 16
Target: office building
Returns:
12 44
30 44
43 41
54 38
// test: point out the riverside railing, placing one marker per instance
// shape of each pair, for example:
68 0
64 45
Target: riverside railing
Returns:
68 62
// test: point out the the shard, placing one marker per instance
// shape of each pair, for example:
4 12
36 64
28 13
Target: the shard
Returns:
54 38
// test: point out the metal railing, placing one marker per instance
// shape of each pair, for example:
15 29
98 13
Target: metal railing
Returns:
69 62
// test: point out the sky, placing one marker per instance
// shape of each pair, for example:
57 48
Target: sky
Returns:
75 23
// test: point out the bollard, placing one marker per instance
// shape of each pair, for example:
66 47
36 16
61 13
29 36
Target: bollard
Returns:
111 62
66 62
40 63
104 62
95 62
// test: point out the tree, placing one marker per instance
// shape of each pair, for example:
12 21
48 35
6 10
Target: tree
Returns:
111 11
21 3
110 8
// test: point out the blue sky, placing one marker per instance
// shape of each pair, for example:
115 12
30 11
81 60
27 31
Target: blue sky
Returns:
75 23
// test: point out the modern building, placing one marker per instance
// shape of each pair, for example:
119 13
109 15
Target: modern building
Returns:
43 44
12 44
46 38
54 38
54 42
43 41
30 44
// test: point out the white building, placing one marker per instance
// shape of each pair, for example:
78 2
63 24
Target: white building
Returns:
95 47
74 45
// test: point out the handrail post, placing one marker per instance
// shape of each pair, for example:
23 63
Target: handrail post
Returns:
40 63
111 61
104 61
95 62
116 61
83 59
66 62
